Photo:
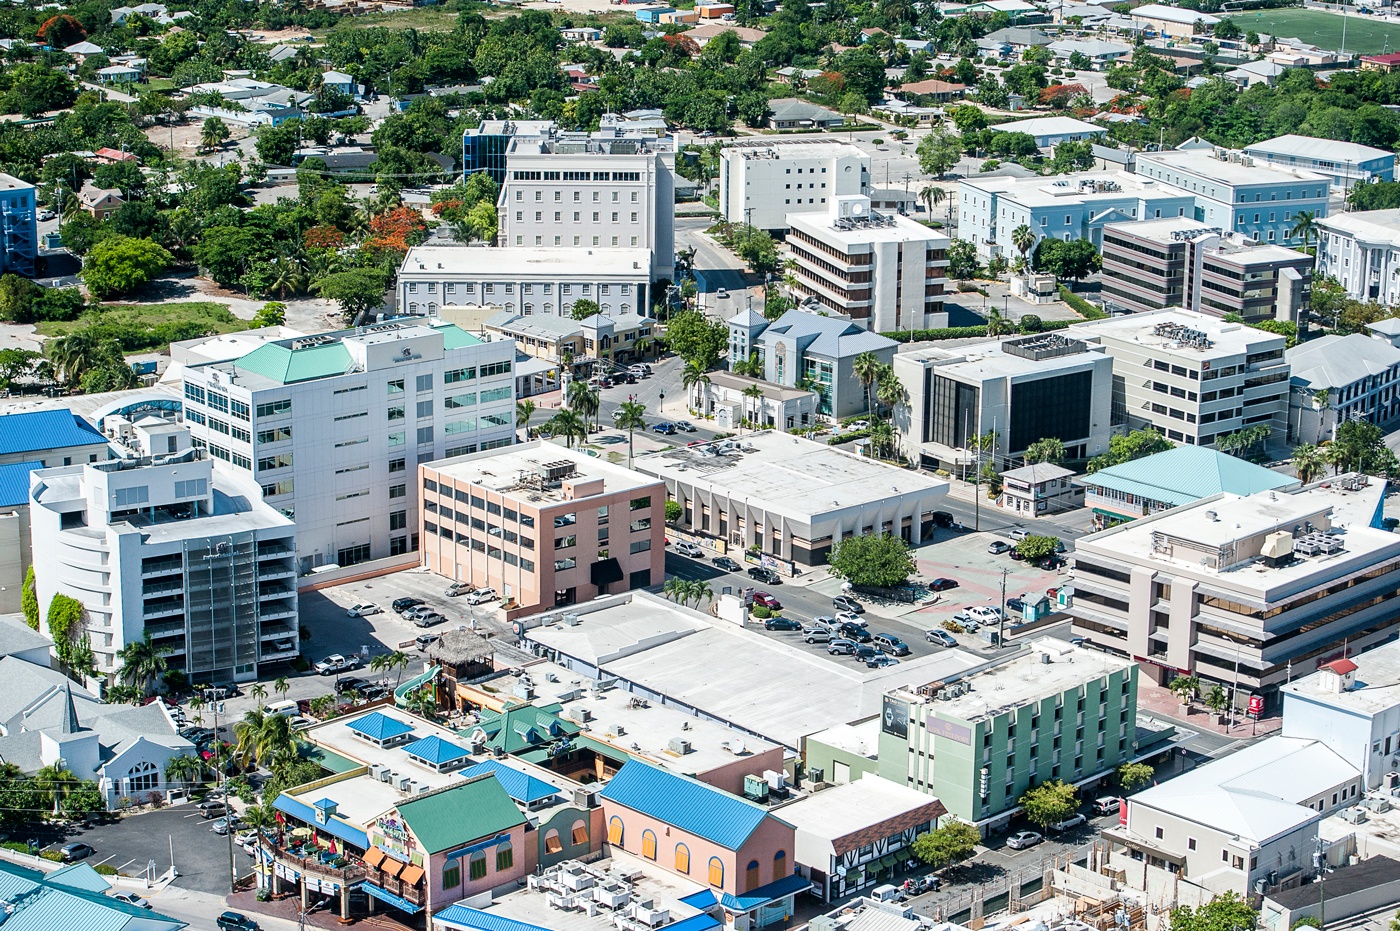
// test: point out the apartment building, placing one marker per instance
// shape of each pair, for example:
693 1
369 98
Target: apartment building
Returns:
760 182
1181 262
543 525
605 190
882 270
18 233
322 422
485 145
978 738
527 281
1362 251
1345 163
1023 389
1254 590
1238 193
169 546
1340 378
1190 376
1076 206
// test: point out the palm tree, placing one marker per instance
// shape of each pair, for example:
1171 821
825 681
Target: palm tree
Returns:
72 356
524 410
881 436
629 417
752 367
1308 462
866 368
1336 456
142 663
262 738
186 769
693 376
701 592
388 662
890 392
569 425
55 782
997 325
423 701
932 195
258 692
756 393
676 589
1023 239
1304 225
281 687
583 400
285 276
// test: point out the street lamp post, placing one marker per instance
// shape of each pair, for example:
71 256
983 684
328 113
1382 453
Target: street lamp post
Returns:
1235 689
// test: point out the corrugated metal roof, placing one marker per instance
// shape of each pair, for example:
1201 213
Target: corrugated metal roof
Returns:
1187 473
379 726
40 905
474 919
33 431
435 750
333 826
518 785
14 483
460 814
286 366
685 803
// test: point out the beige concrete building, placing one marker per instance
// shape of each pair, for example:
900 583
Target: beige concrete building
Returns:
543 525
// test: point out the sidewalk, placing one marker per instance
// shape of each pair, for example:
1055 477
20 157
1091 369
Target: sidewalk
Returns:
1157 701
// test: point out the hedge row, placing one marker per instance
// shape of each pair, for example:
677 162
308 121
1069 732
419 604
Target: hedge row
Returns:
965 332
1082 307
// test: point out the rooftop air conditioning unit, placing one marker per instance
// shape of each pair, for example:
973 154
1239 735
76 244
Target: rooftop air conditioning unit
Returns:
378 771
585 799
1354 815
402 782
679 745
419 788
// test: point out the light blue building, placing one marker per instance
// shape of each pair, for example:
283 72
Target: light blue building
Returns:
71 897
1345 163
1235 192
17 226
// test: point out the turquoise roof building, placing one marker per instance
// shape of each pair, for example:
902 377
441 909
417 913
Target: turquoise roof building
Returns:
1172 478
72 897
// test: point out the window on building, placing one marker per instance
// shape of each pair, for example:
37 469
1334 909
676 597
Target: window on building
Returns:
477 868
452 874
615 831
682 858
716 871
505 857
649 844
751 875
579 833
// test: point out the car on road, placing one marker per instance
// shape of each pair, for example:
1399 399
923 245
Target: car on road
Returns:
72 853
841 647
400 605
1073 821
1023 839
1053 592
984 614
816 634
1015 607
825 620
689 549
482 596
766 576
131 898
767 601
890 645
880 660
224 825
685 426
725 563
847 617
664 428
424 641
210 809
941 584
854 632
235 921
722 293
864 654
47 215
997 547
428 620
349 684
1018 534
640 369
781 623
336 663
942 519
1015 554
858 425
847 603
940 637
196 733
1107 805
417 611
364 610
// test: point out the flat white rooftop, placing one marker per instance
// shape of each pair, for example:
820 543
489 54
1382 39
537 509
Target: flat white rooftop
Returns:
1224 339
889 227
1377 683
1205 165
835 813
792 476
760 150
1050 126
508 261
862 738
514 472
1330 150
1085 188
980 362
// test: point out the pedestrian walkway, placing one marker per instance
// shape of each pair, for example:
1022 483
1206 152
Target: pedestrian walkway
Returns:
1159 702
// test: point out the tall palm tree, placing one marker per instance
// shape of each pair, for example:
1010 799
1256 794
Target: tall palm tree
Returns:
1304 225
881 436
629 417
932 195
1336 456
55 782
693 377
997 325
282 687
262 738
675 588
569 425
142 663
186 769
524 410
866 368
701 592
72 356
583 400
891 393
258 692
1023 239
756 393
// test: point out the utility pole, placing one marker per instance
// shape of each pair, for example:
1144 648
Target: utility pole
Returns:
228 808
1001 621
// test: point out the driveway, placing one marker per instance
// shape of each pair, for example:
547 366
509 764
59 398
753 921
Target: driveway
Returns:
129 844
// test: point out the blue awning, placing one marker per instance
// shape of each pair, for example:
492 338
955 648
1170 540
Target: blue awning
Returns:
391 899
334 827
763 895
702 899
480 845
700 922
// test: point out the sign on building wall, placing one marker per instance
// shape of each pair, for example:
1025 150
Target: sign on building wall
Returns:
947 729
895 720
393 836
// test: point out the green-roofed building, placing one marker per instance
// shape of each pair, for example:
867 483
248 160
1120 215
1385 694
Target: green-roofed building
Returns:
334 425
526 727
1172 478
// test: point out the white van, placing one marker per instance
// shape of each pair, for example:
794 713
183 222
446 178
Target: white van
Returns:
886 893
285 708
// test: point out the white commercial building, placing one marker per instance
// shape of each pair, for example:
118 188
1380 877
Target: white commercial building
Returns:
1245 591
524 281
760 183
334 426
793 498
1025 389
1340 378
165 545
1362 251
1191 376
1345 163
1352 704
1072 207
605 190
1237 193
884 271
1050 131
1173 21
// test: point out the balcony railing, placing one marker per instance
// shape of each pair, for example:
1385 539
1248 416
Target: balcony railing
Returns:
301 859
397 887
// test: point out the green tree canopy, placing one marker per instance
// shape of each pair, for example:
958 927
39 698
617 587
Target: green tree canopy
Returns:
1134 776
696 338
120 265
584 308
1050 803
1134 445
954 841
1227 912
356 290
1038 546
1046 449
875 561
938 152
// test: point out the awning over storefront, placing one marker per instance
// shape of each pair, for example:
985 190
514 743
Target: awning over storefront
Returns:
391 867
411 875
374 856
390 899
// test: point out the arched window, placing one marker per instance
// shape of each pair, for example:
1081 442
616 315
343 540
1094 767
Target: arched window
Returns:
682 858
432 309
548 308
615 830
143 777
477 868
716 871
510 307
751 881
552 843
779 865
649 844
579 833
529 309
505 857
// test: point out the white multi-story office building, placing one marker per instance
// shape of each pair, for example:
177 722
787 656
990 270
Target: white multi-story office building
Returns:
760 182
334 426
170 546
1254 590
525 281
1191 376
1071 207
1362 251
604 190
1237 193
884 271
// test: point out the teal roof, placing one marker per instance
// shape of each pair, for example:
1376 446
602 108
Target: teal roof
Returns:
41 905
79 876
286 366
454 337
1186 474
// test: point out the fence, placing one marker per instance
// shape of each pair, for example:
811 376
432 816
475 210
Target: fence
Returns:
1012 892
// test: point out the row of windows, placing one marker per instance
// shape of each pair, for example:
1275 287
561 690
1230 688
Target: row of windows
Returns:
578 195
450 287
559 216
616 833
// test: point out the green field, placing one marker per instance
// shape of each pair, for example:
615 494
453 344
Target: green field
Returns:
149 327
1365 34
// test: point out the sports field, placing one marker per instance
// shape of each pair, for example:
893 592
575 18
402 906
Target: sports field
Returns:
1366 35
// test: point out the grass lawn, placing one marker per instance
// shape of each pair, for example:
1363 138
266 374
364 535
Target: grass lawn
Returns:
426 18
1365 35
140 322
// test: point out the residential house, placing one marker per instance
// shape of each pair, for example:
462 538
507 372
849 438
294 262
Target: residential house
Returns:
791 113
1101 54
1050 131
100 202
932 91
1038 489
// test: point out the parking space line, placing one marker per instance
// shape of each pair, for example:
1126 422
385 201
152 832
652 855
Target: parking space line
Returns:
126 864
106 858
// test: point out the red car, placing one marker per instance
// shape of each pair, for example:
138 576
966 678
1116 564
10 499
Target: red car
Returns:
767 600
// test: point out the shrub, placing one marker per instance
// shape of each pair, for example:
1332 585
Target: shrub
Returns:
105 869
1031 323
1082 307
53 855
15 846
761 612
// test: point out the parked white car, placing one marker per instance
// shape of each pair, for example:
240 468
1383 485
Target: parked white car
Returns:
481 596
365 610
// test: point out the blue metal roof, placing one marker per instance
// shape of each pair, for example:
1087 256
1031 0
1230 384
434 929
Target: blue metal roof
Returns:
41 430
520 786
754 898
433 749
333 826
14 482
685 803
700 922
463 918
379 726
390 898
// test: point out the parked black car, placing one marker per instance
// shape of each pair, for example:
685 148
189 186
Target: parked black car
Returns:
766 576
781 623
233 921
854 632
725 563
403 604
